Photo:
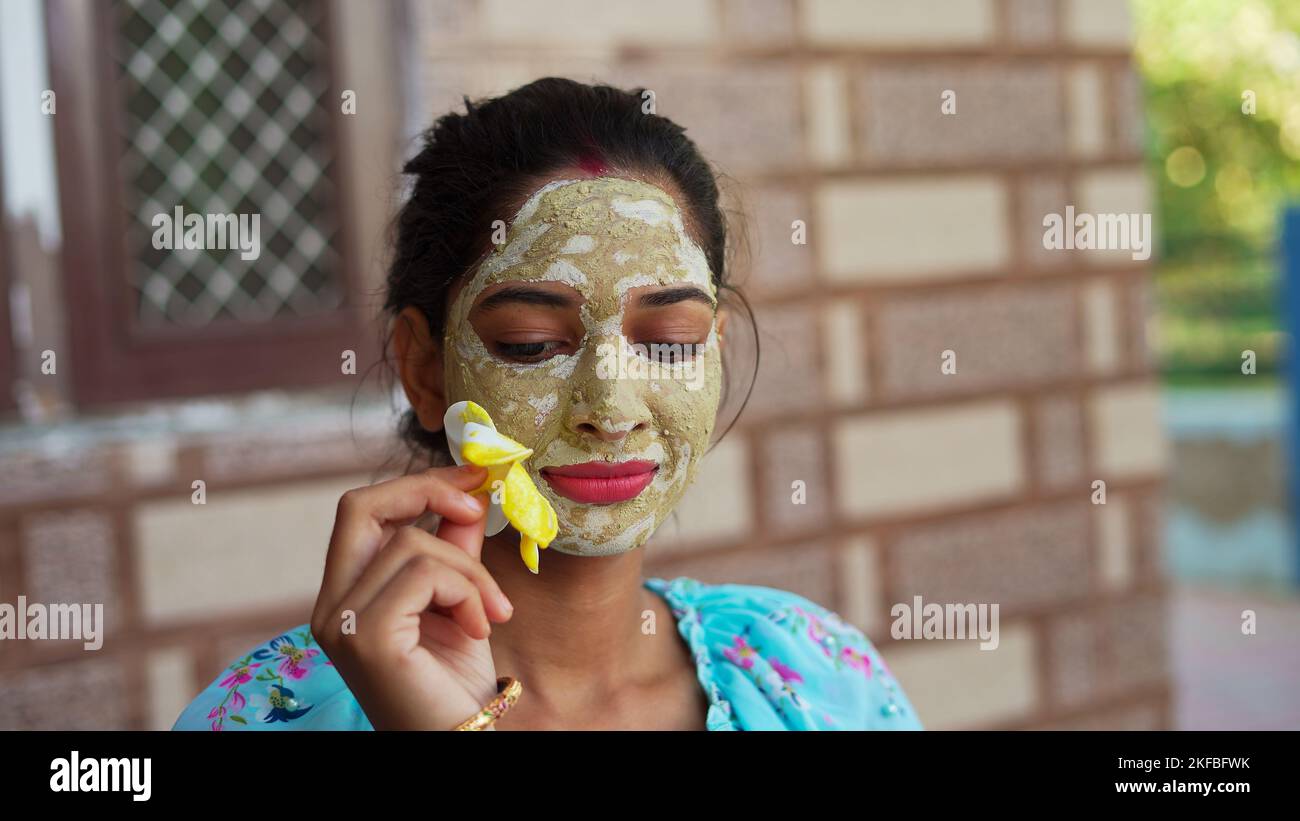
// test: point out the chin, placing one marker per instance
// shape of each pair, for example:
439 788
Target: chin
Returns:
602 537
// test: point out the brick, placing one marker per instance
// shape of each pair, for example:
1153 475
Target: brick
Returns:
1140 317
1114 543
1058 442
1143 717
1099 23
806 569
443 20
882 23
777 264
11 585
1115 191
1101 325
1017 559
1149 550
1041 195
827 99
1134 641
860 586
1130 110
1108 652
758 21
718 507
846 353
79 695
1002 336
1087 108
288 451
995 685
788 378
171 686
876 230
55 473
1127 430
70 557
446 80
668 22
1032 22
1004 113
742 115
149 462
929 458
793 453
240 551
1074 662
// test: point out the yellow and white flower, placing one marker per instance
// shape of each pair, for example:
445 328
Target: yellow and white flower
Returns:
473 439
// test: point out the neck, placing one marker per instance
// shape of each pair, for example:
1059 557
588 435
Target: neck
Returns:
576 634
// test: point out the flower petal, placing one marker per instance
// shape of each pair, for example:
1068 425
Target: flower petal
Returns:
526 508
454 421
484 446
474 439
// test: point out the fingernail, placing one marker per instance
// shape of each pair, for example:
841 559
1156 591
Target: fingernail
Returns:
510 608
474 503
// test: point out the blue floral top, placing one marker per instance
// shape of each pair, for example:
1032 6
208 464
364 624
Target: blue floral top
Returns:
768 659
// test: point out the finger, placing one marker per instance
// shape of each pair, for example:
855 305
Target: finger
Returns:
366 516
437 490
409 543
467 537
425 582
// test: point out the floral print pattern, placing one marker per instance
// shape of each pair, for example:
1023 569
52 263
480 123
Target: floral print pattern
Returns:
766 659
295 663
801 665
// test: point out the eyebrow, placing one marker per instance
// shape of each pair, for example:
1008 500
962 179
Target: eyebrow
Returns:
671 296
523 294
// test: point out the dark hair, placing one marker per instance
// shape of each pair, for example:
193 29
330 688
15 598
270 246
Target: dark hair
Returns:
475 167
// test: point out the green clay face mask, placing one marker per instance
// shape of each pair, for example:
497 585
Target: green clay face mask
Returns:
602 237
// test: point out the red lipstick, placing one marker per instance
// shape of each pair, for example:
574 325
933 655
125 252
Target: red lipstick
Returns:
600 483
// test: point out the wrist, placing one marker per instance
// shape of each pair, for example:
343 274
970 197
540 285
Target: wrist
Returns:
502 699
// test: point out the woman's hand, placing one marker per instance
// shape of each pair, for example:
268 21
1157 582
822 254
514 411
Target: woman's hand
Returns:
421 604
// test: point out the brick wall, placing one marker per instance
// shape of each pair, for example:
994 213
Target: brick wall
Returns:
923 235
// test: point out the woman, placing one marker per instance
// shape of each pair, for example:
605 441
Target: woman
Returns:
553 237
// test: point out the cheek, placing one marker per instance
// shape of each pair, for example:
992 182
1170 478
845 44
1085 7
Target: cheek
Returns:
686 407
523 400
685 411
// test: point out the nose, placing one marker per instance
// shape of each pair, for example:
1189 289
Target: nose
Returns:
607 430
601 420
608 409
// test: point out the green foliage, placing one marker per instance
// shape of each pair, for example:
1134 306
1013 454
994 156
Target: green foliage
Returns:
1198 59
1222 173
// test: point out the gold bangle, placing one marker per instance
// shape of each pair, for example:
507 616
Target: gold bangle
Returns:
508 690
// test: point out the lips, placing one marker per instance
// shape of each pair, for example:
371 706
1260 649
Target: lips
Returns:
600 483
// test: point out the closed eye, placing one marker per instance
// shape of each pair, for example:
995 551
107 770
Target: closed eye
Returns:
528 352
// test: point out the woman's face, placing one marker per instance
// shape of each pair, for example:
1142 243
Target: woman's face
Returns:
590 334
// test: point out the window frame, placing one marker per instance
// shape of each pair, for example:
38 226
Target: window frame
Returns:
8 349
115 361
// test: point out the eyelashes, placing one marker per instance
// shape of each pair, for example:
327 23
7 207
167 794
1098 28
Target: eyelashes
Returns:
525 353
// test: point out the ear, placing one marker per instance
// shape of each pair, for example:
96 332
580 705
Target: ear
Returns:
419 364
723 315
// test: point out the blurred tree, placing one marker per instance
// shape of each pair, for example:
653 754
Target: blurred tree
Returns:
1222 85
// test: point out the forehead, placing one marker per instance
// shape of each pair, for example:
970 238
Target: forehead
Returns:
597 235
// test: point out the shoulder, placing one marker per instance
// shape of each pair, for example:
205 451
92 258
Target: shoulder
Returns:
778 660
284 683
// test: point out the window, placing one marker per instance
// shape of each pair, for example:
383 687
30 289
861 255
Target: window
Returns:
222 112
